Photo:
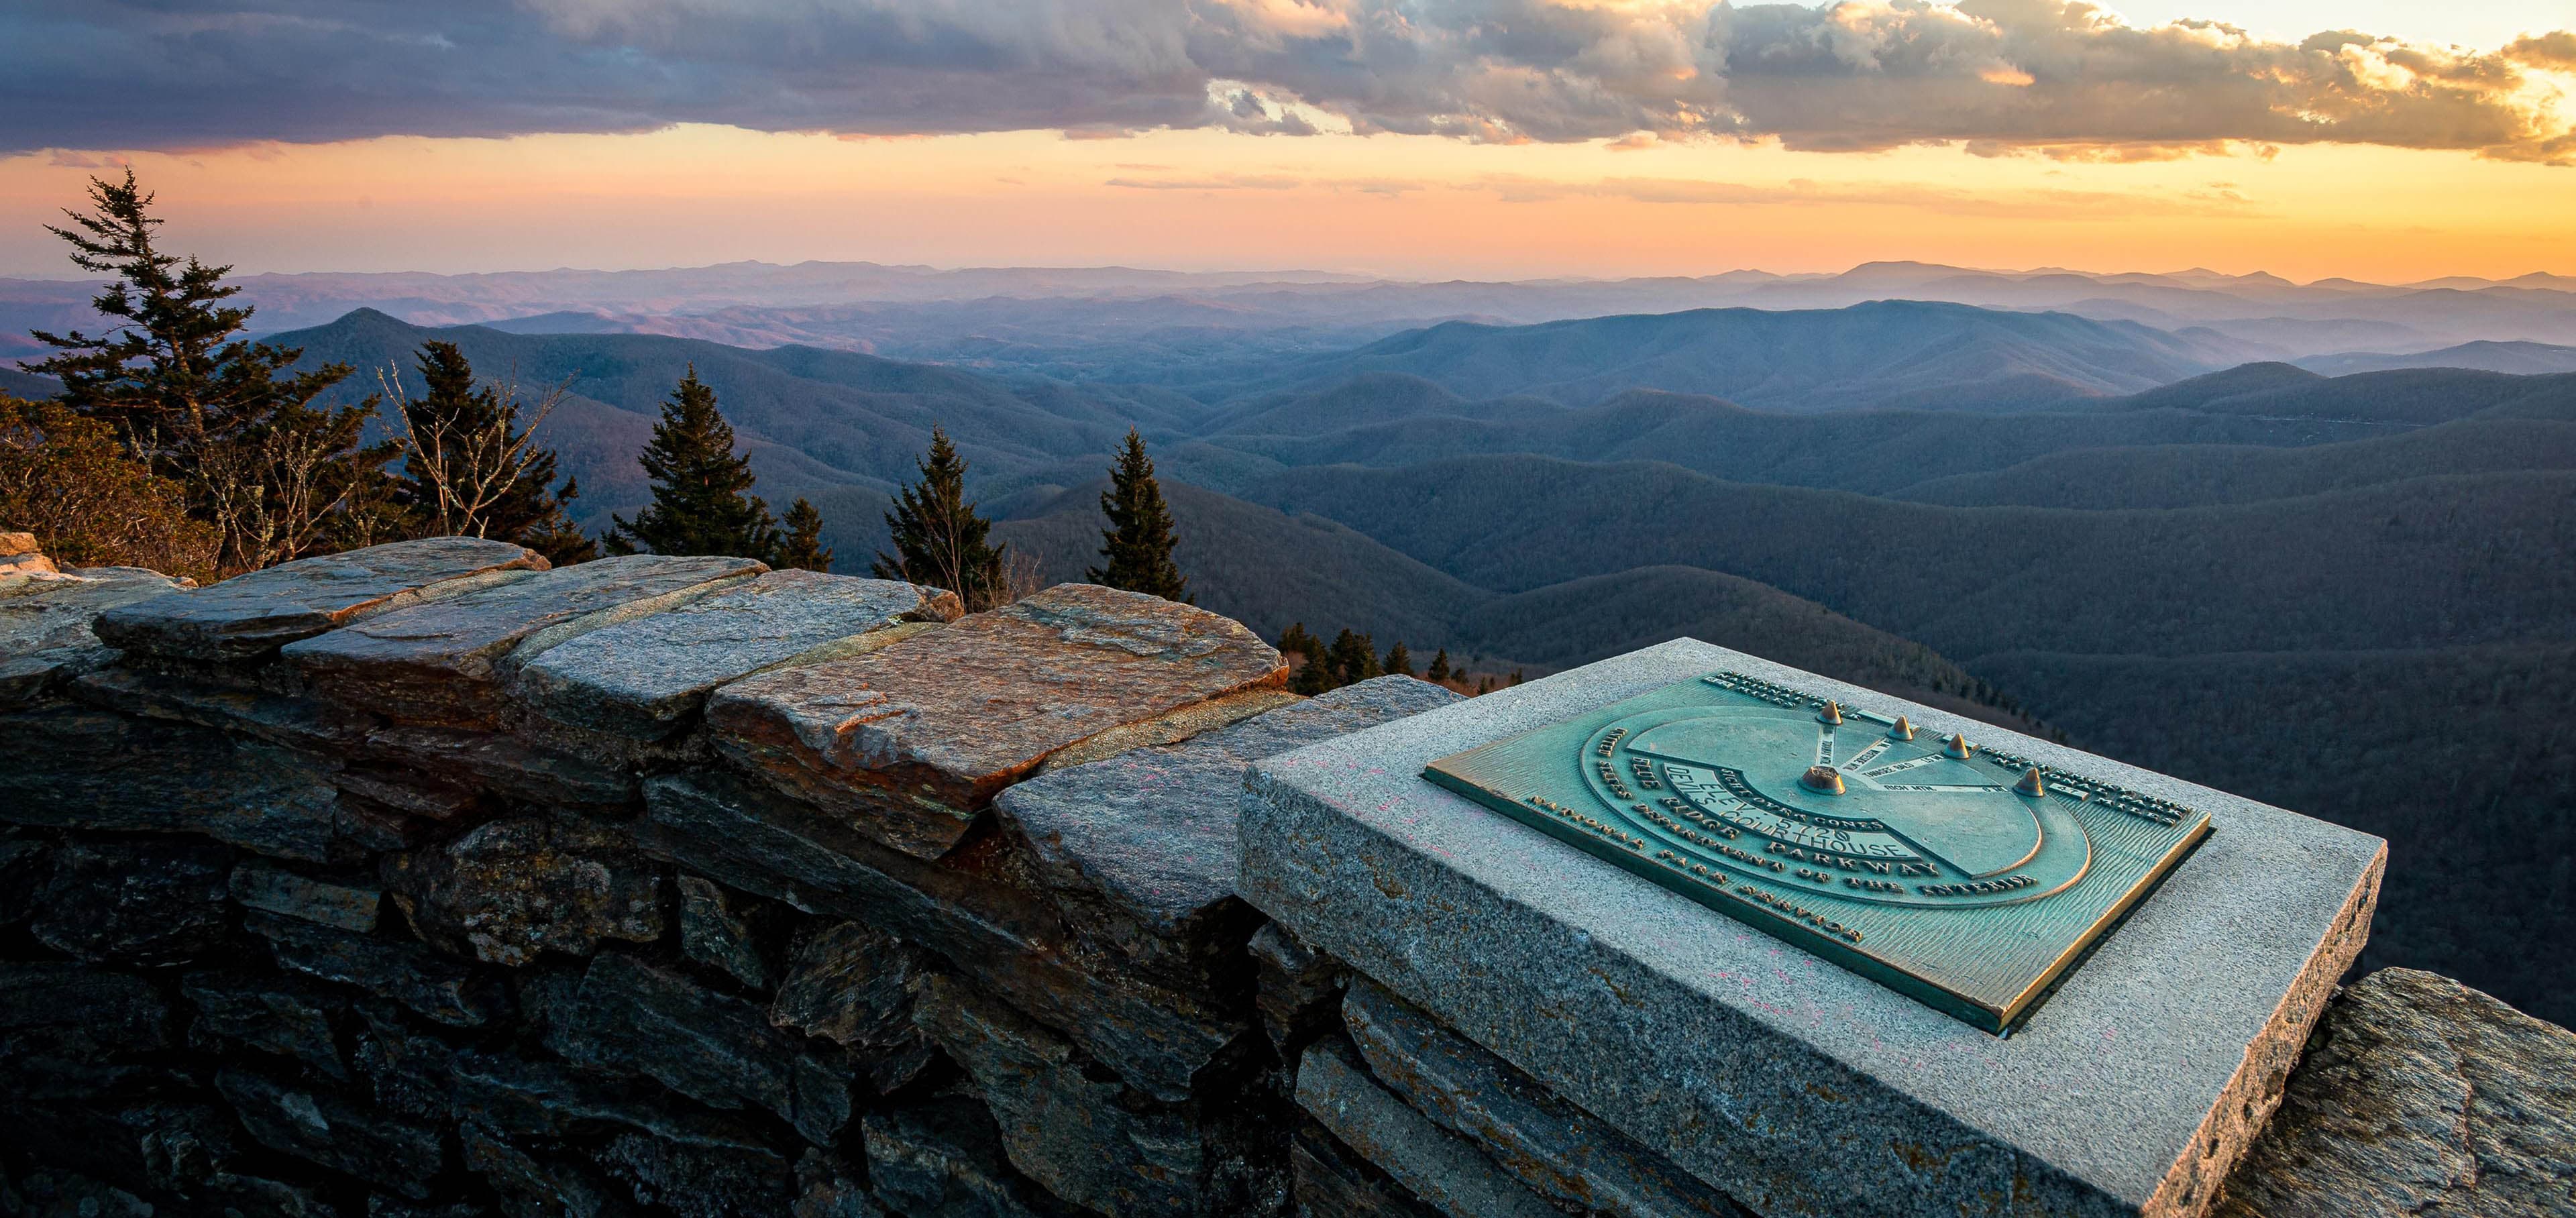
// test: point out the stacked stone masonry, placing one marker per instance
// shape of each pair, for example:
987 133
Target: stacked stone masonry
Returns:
428 881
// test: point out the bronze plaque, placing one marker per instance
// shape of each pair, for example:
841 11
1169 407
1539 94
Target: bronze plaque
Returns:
1970 879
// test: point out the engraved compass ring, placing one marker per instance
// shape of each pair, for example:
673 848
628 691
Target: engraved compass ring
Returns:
1835 804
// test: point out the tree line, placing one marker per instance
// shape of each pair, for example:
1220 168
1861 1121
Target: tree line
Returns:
1352 657
177 443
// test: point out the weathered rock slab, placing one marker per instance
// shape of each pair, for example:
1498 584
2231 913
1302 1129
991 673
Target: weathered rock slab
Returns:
444 990
1559 1151
707 1172
714 1048
448 661
26 858
1065 1129
529 1186
1433 1164
728 931
407 1070
2419 1095
512 888
267 886
279 1015
1673 1022
77 768
143 902
39 614
945 1158
852 984
1333 1182
243 710
249 615
753 839
45 634
909 742
647 678
1141 850
62 1027
436 765
1297 991
324 1128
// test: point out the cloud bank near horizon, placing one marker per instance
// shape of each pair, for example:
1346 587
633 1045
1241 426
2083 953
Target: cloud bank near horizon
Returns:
2057 77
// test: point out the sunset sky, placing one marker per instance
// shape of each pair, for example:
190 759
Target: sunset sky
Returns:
2367 138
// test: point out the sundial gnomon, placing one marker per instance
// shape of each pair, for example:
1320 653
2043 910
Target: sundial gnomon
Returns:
1970 878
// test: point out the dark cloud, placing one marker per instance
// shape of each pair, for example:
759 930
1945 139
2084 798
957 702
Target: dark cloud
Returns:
2055 76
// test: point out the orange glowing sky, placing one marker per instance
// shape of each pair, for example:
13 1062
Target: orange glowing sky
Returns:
1416 206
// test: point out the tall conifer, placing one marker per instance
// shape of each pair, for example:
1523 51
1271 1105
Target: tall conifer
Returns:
555 535
472 471
939 540
1136 548
701 489
1399 661
803 548
277 476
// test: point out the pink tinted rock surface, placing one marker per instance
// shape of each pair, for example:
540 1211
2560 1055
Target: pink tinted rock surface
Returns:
911 741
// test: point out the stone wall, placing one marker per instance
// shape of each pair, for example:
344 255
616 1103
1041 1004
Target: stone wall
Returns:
424 880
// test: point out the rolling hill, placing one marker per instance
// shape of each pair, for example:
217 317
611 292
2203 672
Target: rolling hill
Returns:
1883 354
2194 475
2428 562
837 427
1869 451
2519 358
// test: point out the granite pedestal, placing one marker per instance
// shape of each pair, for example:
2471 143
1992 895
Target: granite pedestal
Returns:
1795 1086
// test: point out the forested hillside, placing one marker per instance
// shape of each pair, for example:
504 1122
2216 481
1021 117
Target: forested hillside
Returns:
1890 353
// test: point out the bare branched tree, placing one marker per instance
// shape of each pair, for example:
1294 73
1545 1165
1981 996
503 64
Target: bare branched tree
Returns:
469 461
274 494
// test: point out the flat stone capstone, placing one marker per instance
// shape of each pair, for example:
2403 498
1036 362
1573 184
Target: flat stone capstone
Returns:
912 740
1742 1058
249 615
46 619
1141 849
647 677
2419 1095
448 660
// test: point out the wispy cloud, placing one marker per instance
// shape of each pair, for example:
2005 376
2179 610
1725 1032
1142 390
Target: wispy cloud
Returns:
2063 77
1229 181
1915 196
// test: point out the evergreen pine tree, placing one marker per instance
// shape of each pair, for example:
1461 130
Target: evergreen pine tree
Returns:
277 476
803 550
1354 659
1315 675
1439 670
472 472
1136 548
939 539
701 503
1399 662
555 535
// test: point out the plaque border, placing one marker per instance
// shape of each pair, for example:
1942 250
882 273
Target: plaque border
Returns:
1999 1020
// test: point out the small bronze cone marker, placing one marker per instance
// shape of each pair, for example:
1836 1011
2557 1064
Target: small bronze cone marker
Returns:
1957 745
1833 713
1822 778
2030 783
1904 729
